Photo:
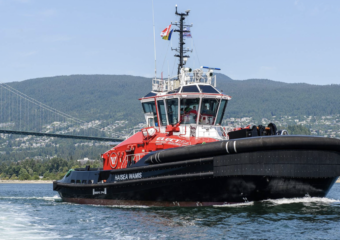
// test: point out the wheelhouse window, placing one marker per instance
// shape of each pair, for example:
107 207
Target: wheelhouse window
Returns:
207 89
172 108
151 122
161 111
189 108
192 88
221 111
209 108
150 94
150 107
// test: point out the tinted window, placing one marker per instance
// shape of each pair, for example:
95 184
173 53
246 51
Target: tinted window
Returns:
161 111
172 107
221 112
209 108
189 110
150 94
149 107
151 122
190 89
208 89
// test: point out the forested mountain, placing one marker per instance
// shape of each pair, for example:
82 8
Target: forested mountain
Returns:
265 98
115 97
90 97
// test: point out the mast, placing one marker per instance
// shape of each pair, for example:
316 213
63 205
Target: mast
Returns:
181 51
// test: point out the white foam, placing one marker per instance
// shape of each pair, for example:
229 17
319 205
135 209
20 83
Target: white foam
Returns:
54 198
16 224
235 204
301 200
122 206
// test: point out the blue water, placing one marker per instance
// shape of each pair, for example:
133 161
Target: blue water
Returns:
34 211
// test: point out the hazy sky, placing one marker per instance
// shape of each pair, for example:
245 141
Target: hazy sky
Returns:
288 41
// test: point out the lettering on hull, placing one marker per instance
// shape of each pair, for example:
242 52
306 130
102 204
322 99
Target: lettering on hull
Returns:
121 177
172 141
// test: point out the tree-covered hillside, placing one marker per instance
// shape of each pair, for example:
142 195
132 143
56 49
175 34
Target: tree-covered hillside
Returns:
115 97
90 97
265 98
111 98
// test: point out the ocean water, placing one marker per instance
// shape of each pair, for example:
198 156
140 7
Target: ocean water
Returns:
34 211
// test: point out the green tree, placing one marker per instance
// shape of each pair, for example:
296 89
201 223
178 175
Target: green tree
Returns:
35 177
47 175
298 130
23 174
14 177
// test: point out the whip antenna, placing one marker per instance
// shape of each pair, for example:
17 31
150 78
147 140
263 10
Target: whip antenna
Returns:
154 38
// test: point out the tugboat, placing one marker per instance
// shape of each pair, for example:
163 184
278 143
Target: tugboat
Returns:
184 157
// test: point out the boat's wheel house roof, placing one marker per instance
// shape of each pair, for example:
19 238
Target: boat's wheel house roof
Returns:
195 103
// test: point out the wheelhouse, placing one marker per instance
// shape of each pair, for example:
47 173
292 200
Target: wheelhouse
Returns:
194 107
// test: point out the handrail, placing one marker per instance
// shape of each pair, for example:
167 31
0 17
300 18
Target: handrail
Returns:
198 76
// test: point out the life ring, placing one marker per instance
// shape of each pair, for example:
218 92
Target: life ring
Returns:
113 160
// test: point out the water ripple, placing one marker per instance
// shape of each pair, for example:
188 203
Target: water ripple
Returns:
36 212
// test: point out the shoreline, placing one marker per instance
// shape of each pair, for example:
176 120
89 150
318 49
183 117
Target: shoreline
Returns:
51 181
26 181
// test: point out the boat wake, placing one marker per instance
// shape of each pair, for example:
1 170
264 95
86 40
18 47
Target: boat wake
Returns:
122 206
235 204
16 223
55 198
301 200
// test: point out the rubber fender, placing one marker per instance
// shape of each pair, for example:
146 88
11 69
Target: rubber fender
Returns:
264 143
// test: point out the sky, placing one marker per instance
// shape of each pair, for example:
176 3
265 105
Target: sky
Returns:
289 41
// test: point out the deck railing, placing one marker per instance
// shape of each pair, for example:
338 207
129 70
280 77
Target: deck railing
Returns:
164 85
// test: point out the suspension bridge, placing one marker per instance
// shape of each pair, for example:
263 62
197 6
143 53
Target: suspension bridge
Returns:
23 115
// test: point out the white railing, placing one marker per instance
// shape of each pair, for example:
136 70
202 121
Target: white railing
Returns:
198 77
185 78
133 132
161 85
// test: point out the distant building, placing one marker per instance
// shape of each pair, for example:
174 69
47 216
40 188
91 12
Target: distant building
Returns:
85 161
